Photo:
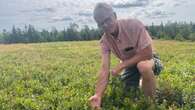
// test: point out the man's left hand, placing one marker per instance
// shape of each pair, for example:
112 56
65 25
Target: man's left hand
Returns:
115 71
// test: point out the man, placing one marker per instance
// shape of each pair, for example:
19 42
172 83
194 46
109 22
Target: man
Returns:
129 41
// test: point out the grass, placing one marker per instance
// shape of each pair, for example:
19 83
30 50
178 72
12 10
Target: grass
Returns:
62 76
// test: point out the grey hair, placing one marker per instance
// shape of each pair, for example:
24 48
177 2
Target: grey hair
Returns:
102 9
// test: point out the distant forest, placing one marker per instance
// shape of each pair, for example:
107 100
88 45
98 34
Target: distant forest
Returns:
170 31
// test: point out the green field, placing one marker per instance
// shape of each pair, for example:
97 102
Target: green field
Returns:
62 76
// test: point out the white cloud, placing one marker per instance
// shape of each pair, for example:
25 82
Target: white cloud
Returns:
61 18
81 12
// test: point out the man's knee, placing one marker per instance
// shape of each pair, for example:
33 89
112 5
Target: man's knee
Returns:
145 66
145 69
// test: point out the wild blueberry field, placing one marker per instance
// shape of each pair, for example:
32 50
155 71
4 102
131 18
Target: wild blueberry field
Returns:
62 76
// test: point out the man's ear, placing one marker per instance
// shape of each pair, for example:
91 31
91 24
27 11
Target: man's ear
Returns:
115 15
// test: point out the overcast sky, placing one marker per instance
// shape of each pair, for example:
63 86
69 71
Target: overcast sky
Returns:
44 14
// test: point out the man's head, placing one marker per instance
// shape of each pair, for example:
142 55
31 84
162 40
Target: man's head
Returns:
105 17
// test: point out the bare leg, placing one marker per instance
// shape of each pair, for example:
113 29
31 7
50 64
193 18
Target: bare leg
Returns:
148 78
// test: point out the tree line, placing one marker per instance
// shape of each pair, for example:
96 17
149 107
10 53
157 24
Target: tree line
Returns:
176 31
30 35
169 31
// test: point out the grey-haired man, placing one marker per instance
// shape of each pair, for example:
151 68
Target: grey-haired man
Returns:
129 41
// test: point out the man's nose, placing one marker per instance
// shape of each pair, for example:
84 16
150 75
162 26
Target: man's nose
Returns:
105 25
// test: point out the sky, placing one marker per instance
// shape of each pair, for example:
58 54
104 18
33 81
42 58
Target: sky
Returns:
45 14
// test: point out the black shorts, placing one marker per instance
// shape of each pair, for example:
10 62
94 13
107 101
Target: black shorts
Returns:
131 75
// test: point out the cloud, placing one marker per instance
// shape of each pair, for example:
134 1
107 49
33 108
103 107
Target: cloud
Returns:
137 3
179 3
176 4
61 12
86 14
59 19
158 4
49 9
156 14
85 21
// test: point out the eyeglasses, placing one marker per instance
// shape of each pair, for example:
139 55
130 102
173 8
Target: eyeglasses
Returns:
106 22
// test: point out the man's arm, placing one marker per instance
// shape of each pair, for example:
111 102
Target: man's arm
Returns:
144 54
103 77
102 82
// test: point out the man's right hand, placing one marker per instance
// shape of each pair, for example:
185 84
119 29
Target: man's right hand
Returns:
95 102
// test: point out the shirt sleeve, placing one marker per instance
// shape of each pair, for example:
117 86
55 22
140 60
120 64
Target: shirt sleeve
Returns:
144 39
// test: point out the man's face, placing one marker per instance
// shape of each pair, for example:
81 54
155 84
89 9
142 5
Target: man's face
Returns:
106 23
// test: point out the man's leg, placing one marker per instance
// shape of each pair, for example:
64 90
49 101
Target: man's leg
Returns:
148 79
130 78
